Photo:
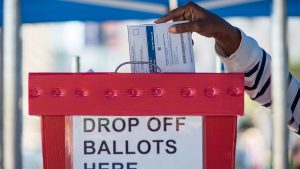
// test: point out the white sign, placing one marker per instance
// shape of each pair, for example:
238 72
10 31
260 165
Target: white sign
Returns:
137 142
153 43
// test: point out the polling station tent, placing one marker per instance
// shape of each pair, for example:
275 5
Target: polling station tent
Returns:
34 11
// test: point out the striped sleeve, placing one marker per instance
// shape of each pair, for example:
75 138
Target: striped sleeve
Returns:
255 63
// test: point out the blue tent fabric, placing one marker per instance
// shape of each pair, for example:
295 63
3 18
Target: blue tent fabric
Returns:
258 8
54 10
34 11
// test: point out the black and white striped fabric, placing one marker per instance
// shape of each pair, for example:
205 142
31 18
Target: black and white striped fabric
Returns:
255 63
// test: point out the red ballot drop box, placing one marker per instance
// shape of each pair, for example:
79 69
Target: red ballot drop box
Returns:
115 105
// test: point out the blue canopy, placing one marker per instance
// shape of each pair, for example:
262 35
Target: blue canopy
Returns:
33 11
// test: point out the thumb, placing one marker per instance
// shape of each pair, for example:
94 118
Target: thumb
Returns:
183 27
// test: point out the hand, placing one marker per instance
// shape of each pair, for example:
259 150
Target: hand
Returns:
206 24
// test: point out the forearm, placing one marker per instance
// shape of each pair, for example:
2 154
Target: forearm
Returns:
228 39
252 60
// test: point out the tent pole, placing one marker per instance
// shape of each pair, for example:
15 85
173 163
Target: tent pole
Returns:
173 4
1 99
279 85
12 80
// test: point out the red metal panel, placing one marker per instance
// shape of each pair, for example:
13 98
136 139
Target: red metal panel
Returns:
217 97
219 138
118 94
69 142
53 140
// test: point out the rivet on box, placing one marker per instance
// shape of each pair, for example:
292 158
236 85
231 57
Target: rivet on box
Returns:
211 92
81 92
135 92
234 91
110 93
188 92
57 92
35 92
158 92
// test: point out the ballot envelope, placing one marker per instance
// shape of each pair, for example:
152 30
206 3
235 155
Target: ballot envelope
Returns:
154 44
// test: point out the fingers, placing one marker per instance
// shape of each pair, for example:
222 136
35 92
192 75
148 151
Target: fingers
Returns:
177 14
170 16
181 18
192 26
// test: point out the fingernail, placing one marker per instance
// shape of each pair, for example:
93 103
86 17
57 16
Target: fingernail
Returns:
172 29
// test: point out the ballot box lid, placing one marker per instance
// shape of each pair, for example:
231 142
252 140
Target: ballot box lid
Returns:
143 94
